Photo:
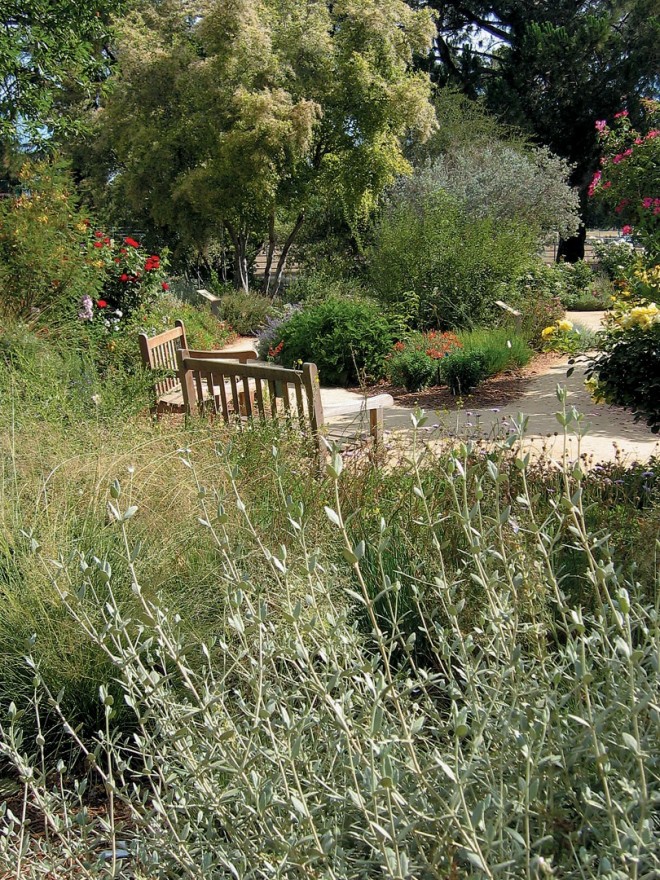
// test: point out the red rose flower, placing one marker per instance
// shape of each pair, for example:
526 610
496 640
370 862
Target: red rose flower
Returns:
98 234
131 242
165 285
101 304
98 244
124 277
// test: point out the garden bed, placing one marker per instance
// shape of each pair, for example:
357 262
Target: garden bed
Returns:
498 390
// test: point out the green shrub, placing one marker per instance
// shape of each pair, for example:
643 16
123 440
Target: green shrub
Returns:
438 267
247 313
464 370
536 294
626 372
615 259
347 339
413 369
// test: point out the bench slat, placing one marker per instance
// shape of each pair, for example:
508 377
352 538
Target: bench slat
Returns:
228 375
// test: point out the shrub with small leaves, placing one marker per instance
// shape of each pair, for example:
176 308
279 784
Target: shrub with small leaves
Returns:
247 313
348 340
626 371
413 369
464 370
415 362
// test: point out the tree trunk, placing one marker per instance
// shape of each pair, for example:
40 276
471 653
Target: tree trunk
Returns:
269 255
571 250
239 241
281 263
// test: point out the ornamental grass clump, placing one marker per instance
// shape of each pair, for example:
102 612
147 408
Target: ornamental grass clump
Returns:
309 740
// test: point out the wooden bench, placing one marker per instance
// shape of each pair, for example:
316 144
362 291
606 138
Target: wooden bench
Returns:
265 392
159 353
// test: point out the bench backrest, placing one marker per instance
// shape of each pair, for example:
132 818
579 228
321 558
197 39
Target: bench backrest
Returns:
159 353
262 392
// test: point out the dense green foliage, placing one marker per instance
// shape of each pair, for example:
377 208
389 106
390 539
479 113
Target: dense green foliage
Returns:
347 339
47 263
53 56
434 265
247 313
231 117
464 370
412 369
550 67
627 371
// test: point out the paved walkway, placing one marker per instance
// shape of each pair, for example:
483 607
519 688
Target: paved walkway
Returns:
612 430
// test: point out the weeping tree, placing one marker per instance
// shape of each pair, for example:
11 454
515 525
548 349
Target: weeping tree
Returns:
227 117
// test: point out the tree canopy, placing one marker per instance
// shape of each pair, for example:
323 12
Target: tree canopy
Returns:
229 115
49 50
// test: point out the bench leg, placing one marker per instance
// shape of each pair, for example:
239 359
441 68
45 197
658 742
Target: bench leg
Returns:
376 425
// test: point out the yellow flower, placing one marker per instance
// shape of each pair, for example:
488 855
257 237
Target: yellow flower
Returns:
640 316
564 325
548 332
